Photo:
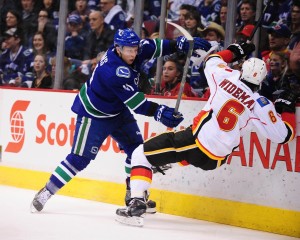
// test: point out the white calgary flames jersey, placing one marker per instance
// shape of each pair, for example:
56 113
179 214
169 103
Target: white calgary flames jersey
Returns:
232 110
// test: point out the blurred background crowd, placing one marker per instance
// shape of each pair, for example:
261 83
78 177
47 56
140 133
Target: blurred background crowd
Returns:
29 33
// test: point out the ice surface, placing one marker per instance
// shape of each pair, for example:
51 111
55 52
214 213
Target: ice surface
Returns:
67 218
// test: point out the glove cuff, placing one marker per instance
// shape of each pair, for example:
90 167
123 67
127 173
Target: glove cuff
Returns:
152 109
226 55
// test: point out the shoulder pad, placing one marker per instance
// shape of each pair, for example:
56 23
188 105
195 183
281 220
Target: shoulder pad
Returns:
123 72
263 101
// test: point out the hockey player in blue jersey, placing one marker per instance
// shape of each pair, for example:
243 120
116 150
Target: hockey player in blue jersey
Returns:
103 103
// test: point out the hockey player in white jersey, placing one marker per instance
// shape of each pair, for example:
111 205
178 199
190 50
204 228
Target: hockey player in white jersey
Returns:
233 108
103 103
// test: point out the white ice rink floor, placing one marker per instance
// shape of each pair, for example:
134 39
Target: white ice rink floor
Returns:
67 218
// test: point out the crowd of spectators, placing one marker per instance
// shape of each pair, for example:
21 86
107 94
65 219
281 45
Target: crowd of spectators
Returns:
29 30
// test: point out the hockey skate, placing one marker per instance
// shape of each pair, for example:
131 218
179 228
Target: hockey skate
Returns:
150 204
133 214
40 200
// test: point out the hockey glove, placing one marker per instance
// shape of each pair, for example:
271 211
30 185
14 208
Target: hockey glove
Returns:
241 50
182 44
165 115
286 102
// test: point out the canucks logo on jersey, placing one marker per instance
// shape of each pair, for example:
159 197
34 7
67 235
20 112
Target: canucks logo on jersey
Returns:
123 72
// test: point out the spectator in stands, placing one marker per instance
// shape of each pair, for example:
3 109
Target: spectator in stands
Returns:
5 6
276 78
278 11
70 81
16 60
209 11
279 38
193 23
214 32
295 58
100 38
93 4
295 65
183 10
42 78
222 16
247 13
113 14
171 79
82 9
13 19
152 9
74 41
40 46
46 26
295 21
174 7
52 7
244 34
30 18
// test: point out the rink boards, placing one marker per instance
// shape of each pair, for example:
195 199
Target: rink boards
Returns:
258 188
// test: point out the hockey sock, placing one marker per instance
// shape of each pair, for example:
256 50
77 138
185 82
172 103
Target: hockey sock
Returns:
63 173
128 171
140 181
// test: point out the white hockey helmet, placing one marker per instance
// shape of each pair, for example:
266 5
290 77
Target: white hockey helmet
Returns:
254 71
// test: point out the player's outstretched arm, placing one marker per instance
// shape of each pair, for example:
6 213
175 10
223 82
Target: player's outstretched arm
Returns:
165 115
182 44
235 52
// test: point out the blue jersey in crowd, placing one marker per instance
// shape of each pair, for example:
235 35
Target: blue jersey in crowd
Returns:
116 18
17 65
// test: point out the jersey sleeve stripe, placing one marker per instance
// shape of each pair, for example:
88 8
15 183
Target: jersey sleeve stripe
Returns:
158 48
136 100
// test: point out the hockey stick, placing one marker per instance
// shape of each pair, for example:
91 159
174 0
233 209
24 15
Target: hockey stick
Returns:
186 65
258 23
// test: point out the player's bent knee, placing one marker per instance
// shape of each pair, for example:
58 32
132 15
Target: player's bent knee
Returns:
212 165
79 162
130 148
138 157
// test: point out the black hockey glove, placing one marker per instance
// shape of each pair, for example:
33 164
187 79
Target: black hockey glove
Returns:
165 115
182 44
241 50
286 102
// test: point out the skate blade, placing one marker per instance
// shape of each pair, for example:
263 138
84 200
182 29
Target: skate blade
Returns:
151 210
33 209
132 221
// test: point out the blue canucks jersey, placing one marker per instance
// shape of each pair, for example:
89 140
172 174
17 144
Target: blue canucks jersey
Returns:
113 85
116 18
277 12
209 13
18 65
